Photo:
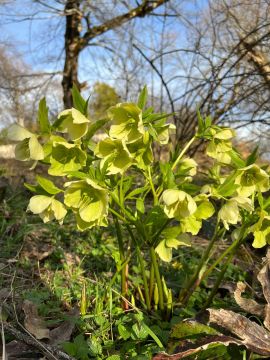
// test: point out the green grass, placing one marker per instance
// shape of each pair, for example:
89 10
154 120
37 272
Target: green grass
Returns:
89 260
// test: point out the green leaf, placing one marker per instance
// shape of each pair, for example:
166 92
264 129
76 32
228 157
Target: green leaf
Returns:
48 185
142 98
140 205
136 192
252 157
43 119
229 187
94 127
236 158
78 101
124 332
152 334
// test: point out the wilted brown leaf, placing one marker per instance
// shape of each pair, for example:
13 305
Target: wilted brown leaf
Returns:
63 332
33 322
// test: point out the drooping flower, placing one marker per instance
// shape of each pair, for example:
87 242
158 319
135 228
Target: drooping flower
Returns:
230 214
89 202
205 210
115 154
220 144
65 157
172 239
178 204
74 123
47 208
251 178
28 147
127 124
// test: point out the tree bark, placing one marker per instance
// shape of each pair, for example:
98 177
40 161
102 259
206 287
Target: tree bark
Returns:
72 49
75 43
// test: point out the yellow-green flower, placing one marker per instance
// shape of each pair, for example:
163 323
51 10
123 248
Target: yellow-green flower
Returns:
115 154
74 123
220 144
65 157
141 152
88 201
47 208
205 210
230 214
127 124
251 178
261 231
178 204
28 147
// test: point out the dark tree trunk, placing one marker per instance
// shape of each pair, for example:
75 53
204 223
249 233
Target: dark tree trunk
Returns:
72 49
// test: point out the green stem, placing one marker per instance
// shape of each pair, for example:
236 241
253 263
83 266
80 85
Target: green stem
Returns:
194 281
222 256
182 153
124 270
158 279
219 280
151 282
145 283
152 186
144 277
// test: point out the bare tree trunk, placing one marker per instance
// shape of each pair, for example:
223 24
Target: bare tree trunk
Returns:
72 49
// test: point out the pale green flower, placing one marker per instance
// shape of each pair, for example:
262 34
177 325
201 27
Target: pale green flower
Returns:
28 147
205 210
65 157
164 132
47 208
186 169
74 123
88 201
251 178
178 204
172 239
115 154
230 214
127 124
219 150
141 153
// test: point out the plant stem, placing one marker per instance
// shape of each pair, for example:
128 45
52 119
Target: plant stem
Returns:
145 283
124 271
195 281
219 280
152 186
182 153
151 282
223 255
158 279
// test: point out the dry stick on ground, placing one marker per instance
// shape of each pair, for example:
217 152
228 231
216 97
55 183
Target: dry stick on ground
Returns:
51 352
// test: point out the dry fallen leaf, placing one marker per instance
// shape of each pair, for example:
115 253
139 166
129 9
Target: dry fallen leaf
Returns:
33 322
63 332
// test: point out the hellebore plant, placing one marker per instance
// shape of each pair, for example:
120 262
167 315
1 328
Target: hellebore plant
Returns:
155 206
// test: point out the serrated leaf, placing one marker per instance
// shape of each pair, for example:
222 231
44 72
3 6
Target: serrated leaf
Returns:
43 119
143 98
48 185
